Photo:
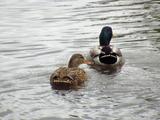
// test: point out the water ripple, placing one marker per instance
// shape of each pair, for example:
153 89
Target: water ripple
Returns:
37 37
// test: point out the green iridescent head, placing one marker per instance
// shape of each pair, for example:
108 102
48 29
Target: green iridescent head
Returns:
105 36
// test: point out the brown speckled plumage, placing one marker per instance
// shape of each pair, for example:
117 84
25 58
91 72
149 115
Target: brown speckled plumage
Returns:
70 77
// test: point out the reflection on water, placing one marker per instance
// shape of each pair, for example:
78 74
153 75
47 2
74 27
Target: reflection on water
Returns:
37 36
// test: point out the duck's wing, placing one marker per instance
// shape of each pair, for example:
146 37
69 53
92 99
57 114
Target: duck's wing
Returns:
116 50
59 73
77 74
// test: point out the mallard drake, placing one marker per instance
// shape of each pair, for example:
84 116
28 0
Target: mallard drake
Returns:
70 77
105 56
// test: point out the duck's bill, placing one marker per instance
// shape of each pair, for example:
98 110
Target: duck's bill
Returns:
88 62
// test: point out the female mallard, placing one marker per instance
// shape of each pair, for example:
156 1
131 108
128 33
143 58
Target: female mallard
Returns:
70 77
106 56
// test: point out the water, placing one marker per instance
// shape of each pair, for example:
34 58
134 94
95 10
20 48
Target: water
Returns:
38 36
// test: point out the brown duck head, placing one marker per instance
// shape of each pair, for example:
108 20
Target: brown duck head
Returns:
76 60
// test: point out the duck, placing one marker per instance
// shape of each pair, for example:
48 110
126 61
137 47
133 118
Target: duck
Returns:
70 77
106 56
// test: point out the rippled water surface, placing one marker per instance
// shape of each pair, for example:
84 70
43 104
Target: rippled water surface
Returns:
38 36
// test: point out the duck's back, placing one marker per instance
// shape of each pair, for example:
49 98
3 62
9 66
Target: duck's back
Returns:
113 60
74 74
